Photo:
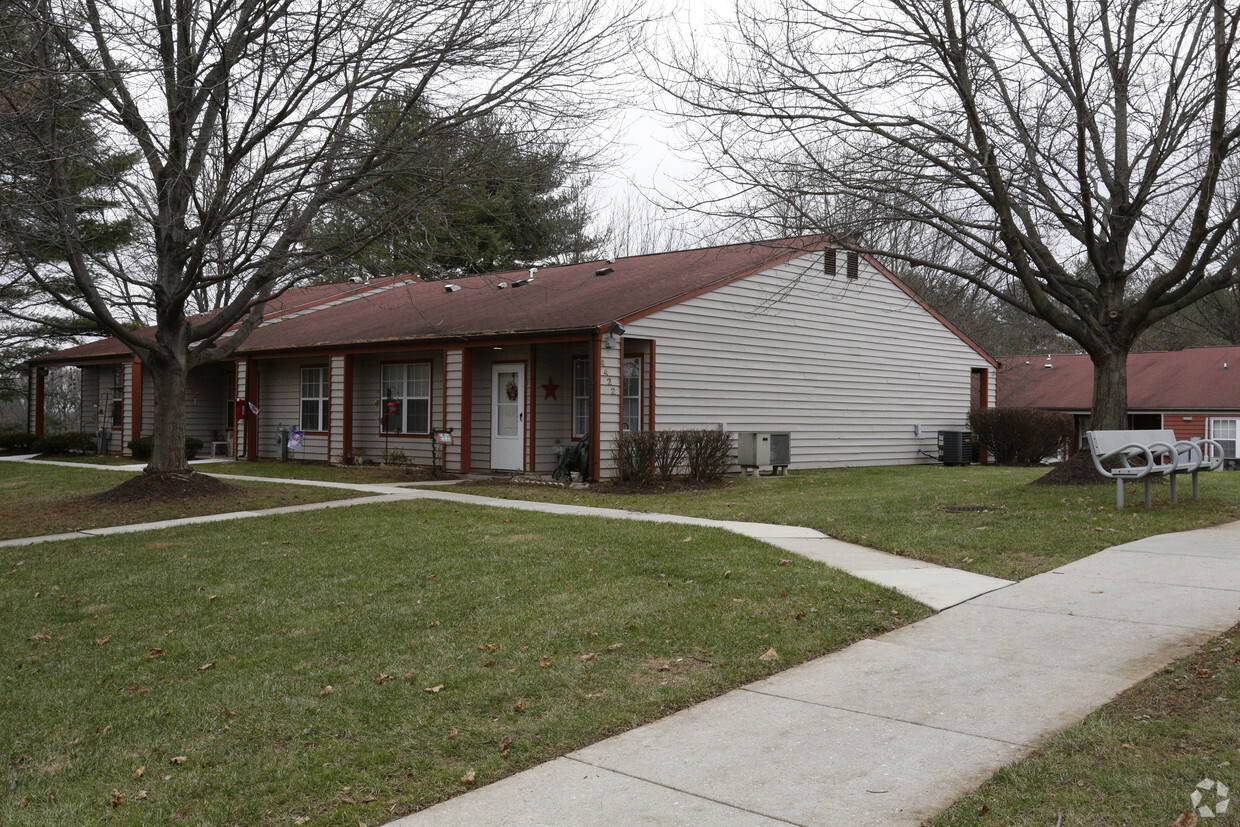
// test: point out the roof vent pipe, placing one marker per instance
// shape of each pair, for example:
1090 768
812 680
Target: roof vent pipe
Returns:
602 271
451 288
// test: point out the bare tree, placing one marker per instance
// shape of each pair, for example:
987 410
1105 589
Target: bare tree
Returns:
1069 152
247 117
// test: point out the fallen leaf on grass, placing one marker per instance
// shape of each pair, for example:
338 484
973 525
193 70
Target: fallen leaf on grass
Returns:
505 742
614 647
138 772
1187 819
589 656
39 638
769 655
468 778
117 799
205 667
544 661
142 795
455 732
518 706
180 759
433 689
102 640
383 678
155 653
785 562
324 692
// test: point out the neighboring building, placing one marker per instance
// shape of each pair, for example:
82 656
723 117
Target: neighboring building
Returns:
1194 392
793 335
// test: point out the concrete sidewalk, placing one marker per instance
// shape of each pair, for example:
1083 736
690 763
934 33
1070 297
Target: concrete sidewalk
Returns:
892 730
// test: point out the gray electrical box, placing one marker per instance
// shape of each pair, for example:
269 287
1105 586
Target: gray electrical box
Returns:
757 449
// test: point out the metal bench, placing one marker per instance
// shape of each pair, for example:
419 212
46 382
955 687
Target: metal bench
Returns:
1144 453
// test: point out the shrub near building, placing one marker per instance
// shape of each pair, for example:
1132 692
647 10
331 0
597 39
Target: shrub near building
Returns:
1020 436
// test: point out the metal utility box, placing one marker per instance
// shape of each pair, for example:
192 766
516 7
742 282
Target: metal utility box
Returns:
956 447
756 449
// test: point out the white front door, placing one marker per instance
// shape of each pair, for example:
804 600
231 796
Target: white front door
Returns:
508 417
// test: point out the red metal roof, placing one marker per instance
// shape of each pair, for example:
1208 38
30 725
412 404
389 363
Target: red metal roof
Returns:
1196 378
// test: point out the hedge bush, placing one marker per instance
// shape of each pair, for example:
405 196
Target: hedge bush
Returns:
143 446
14 441
73 442
1020 436
708 454
635 456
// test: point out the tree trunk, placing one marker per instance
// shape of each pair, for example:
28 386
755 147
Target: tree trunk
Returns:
168 380
1110 409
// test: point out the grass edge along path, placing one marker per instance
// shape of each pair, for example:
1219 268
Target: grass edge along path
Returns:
39 499
1135 761
1013 531
362 663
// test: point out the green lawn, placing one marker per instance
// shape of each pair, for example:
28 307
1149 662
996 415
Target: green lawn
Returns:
1136 761
353 665
898 509
50 499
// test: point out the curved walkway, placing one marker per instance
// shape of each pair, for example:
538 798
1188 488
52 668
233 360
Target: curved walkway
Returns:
891 730
936 586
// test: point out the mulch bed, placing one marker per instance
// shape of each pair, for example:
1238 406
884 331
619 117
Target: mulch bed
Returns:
149 487
613 487
1079 470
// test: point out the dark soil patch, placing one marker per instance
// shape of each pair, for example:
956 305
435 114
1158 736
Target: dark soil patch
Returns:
668 487
150 488
1078 470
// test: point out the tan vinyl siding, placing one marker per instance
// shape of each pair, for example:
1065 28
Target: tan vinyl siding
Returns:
280 406
336 406
609 409
206 404
90 398
451 405
240 426
368 399
848 366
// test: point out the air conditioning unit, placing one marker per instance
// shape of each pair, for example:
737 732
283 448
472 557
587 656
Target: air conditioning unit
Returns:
756 449
956 447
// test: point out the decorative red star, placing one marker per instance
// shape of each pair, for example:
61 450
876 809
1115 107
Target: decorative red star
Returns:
551 387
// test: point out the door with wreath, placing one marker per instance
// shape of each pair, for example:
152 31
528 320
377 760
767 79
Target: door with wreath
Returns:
508 417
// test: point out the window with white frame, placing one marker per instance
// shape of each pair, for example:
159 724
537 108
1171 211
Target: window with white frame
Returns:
1223 431
314 399
407 398
582 385
631 388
